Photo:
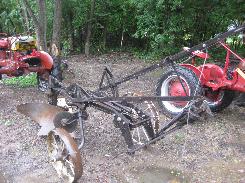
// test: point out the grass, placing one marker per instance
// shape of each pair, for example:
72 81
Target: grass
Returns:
7 122
21 81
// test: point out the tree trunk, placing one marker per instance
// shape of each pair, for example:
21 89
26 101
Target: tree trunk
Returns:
104 36
39 23
243 34
25 18
71 33
122 38
42 24
89 28
56 28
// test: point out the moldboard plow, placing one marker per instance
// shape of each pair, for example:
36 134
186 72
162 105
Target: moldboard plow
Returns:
179 94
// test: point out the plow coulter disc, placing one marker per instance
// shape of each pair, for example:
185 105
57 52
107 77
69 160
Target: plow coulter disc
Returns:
64 155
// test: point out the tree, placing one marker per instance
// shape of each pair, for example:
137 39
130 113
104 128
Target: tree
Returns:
40 22
10 19
89 28
160 27
56 27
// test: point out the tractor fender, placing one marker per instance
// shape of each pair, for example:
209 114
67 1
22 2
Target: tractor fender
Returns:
46 60
196 70
43 114
210 72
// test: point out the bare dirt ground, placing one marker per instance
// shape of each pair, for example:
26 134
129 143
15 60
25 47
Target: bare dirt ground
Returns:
211 150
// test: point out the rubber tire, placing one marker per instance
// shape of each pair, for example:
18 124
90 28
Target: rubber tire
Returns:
190 79
226 100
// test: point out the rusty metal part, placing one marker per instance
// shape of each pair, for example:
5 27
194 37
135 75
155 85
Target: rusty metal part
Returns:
193 110
136 99
144 121
151 109
65 155
43 114
66 120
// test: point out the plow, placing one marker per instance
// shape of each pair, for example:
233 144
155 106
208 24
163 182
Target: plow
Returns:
184 93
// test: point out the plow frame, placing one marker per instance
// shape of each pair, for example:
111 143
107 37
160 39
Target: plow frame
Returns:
122 107
118 106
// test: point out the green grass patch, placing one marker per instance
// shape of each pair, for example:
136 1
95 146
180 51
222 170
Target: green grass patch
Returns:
21 81
7 122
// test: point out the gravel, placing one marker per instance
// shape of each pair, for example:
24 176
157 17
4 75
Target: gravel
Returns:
211 150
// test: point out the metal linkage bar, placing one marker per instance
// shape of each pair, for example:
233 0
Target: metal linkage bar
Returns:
136 99
165 62
208 43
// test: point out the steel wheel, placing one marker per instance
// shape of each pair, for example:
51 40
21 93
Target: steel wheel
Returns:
142 111
64 155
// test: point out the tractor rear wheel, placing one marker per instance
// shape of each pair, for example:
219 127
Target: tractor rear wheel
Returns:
170 85
219 100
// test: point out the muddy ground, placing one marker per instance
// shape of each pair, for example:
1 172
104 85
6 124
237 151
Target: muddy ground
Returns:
211 150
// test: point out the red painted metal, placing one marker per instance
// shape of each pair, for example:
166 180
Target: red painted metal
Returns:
19 62
201 54
4 43
176 89
215 77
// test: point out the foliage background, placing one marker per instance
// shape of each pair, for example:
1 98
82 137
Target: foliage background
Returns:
148 28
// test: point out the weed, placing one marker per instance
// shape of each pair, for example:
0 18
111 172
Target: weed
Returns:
7 122
22 81
179 138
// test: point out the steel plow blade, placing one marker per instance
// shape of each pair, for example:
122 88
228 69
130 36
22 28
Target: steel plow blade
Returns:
43 114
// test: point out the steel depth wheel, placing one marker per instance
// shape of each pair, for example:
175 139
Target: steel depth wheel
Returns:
64 155
144 111
170 85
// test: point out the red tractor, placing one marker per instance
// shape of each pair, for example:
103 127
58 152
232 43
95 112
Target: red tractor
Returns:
218 84
18 56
